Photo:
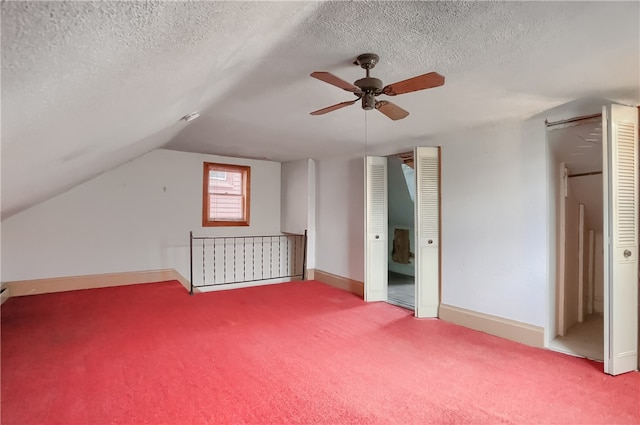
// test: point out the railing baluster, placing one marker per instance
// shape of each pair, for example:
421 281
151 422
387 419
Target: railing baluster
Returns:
214 262
191 262
287 267
295 255
304 255
270 257
204 280
224 262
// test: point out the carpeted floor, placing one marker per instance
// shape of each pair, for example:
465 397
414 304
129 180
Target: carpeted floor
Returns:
292 353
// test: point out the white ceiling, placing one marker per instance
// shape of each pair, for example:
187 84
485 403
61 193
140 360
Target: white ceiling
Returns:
87 86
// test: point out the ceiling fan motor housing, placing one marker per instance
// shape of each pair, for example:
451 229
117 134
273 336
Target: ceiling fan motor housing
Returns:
369 84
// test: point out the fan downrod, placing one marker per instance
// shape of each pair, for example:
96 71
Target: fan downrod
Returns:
370 86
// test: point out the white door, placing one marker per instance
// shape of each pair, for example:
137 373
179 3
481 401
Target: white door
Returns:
620 177
581 264
427 224
376 228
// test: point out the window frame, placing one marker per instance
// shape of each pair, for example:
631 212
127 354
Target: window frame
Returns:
245 170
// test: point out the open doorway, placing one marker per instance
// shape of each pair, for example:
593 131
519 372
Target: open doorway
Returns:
576 147
401 260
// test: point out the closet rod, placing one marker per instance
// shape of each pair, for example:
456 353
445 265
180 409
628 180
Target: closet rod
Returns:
570 120
590 173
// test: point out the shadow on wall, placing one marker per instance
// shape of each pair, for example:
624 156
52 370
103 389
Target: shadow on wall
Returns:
355 214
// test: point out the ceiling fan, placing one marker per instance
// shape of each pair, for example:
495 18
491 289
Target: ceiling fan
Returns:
368 88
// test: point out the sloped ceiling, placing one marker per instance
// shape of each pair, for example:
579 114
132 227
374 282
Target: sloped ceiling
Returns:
87 86
579 146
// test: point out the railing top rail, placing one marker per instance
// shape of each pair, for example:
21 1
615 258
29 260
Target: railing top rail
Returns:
247 237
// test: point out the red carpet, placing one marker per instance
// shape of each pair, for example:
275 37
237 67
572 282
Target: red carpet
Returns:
291 353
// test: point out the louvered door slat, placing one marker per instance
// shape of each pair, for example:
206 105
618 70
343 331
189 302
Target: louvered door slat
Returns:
625 204
376 223
377 207
427 218
428 167
620 178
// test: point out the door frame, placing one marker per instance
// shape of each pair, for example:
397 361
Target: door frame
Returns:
418 282
556 233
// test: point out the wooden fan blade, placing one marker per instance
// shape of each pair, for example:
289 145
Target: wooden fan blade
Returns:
421 82
333 107
391 110
327 77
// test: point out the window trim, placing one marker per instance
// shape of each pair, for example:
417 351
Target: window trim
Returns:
246 193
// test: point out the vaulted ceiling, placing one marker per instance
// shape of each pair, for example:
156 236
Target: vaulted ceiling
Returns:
87 86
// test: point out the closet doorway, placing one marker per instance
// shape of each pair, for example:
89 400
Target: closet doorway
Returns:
401 188
594 176
577 153
426 225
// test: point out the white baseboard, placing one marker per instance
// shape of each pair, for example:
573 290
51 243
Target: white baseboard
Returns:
72 283
6 293
494 325
351 285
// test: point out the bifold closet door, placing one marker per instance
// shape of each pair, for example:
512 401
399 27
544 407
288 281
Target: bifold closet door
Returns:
376 229
427 224
620 186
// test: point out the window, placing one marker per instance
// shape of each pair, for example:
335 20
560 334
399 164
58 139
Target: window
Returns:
225 200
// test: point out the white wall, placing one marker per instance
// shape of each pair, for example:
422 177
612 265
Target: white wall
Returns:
494 221
298 199
294 196
135 217
340 217
312 199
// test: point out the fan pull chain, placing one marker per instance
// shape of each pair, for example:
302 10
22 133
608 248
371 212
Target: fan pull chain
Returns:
365 135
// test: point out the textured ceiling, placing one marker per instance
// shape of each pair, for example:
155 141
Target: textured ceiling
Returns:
87 86
579 146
